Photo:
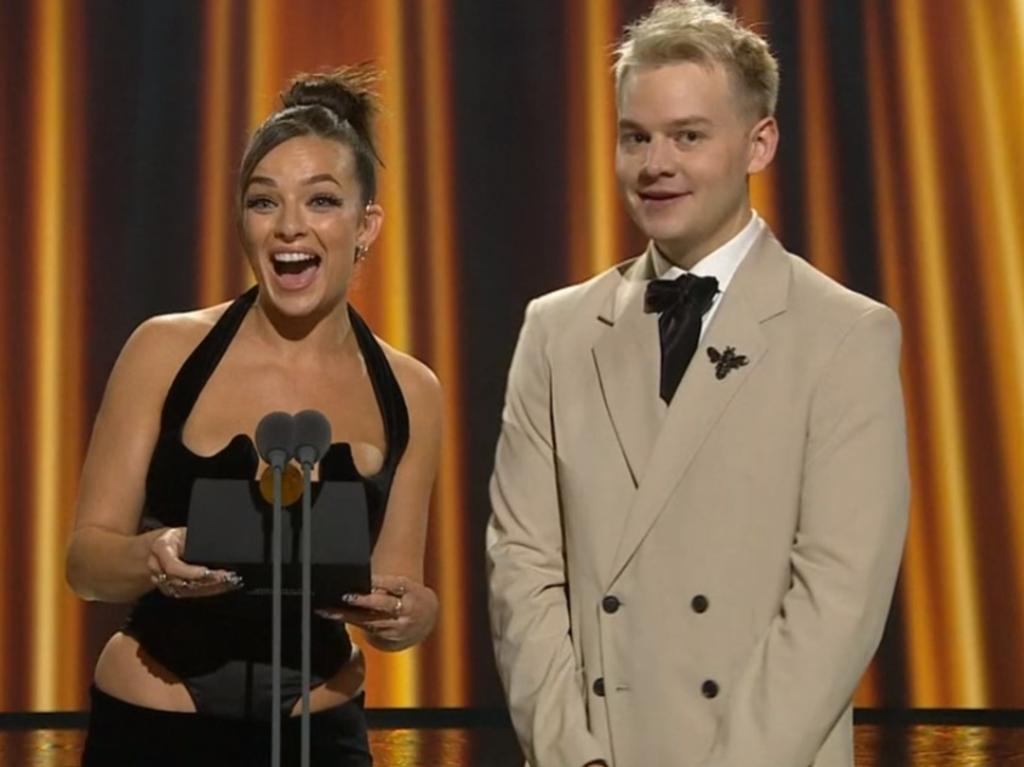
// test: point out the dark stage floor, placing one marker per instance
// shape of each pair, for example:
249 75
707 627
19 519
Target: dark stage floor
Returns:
890 745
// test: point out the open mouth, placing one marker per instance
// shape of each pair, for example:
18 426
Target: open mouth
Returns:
295 270
294 263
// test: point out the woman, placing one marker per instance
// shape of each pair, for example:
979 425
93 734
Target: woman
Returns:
187 680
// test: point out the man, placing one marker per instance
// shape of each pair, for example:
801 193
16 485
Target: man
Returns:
700 490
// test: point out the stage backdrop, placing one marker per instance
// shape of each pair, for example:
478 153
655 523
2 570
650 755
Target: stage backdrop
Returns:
901 172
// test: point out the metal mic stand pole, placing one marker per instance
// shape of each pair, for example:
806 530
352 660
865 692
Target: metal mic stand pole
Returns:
312 438
275 442
275 717
307 601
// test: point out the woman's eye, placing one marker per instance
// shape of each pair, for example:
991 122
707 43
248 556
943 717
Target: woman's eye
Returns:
258 203
325 201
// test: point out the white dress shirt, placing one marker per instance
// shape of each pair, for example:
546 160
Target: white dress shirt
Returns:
720 264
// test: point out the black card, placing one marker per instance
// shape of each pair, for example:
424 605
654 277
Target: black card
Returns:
230 528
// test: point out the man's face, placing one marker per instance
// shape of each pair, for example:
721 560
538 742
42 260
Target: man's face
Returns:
685 148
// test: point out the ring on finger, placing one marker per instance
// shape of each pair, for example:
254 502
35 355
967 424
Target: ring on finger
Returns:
398 607
161 577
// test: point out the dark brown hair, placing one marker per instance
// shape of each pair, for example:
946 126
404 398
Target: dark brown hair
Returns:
339 106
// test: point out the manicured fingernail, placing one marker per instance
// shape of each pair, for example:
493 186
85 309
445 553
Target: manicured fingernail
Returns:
348 598
233 579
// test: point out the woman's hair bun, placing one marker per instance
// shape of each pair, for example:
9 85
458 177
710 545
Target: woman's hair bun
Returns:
347 92
337 106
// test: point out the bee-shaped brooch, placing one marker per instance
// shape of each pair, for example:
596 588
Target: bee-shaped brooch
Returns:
726 361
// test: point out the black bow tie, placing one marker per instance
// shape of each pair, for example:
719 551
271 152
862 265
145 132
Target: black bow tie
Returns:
680 304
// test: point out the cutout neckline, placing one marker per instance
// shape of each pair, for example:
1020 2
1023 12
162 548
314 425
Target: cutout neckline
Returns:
250 447
240 450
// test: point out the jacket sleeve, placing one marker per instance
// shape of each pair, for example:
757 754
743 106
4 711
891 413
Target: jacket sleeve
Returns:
528 604
799 679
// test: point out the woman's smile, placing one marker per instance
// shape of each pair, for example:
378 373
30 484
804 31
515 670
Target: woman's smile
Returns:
295 270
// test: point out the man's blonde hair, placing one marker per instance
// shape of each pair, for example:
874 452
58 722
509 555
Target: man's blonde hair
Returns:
702 32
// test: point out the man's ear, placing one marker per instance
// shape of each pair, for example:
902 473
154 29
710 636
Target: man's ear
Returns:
764 140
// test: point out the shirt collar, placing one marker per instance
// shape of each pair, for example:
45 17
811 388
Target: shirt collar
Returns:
721 263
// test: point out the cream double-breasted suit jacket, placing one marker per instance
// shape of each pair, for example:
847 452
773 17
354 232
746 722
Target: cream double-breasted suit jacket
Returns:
702 584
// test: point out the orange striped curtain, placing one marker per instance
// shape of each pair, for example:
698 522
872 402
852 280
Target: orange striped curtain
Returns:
900 173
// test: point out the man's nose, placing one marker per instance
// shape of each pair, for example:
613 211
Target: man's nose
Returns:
658 158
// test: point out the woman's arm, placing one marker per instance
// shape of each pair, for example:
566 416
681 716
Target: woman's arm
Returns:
106 557
402 611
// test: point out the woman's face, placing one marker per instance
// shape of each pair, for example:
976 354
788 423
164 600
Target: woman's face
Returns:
302 223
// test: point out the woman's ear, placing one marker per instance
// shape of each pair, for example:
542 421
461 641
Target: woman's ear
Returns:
369 226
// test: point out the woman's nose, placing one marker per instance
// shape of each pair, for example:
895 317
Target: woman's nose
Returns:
290 223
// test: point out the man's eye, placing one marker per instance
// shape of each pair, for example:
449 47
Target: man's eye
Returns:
690 137
633 138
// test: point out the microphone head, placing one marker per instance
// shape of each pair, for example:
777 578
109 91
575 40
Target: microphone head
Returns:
312 435
275 438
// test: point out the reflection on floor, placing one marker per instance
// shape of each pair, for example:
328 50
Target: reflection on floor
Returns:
876 746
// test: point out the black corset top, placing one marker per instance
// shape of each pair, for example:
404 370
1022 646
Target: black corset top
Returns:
195 637
173 467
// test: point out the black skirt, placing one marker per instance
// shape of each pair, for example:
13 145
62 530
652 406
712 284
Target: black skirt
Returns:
125 735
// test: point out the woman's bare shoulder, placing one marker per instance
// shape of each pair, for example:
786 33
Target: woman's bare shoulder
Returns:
420 386
160 344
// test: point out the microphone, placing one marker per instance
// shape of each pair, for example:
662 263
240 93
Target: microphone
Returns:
275 442
312 438
275 438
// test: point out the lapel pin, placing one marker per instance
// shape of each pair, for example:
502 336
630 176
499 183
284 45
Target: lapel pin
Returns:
726 361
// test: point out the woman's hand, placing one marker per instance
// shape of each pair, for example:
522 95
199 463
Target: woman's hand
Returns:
398 612
176 578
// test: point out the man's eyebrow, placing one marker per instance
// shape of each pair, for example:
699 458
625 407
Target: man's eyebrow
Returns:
682 122
689 122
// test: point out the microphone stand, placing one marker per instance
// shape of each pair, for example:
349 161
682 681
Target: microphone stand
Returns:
275 719
312 437
275 442
307 603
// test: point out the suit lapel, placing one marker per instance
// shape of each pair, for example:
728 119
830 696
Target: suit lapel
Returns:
758 291
627 356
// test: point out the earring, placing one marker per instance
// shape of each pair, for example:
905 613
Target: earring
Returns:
360 252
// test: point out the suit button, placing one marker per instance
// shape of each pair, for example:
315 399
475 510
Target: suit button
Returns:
610 604
599 686
709 689
699 603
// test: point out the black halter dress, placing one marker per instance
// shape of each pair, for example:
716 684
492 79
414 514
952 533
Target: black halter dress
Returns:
220 646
